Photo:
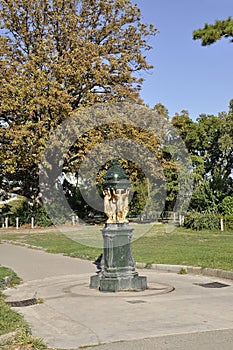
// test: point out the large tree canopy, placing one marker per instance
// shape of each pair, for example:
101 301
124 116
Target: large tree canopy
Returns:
58 55
214 180
211 33
210 143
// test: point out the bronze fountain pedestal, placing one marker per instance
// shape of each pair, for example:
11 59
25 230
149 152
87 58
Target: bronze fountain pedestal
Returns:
118 265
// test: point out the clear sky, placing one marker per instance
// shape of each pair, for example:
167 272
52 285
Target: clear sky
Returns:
187 75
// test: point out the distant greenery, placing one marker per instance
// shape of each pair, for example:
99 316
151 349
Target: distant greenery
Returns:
227 206
209 141
200 221
214 190
21 209
99 65
93 52
182 246
207 221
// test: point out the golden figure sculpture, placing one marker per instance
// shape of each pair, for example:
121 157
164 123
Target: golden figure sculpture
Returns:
109 205
116 205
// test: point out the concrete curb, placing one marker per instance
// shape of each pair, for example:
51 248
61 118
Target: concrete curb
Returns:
21 244
182 269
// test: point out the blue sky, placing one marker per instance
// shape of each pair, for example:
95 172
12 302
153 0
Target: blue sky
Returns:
187 75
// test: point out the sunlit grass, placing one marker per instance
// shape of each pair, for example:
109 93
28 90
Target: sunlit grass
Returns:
9 319
151 244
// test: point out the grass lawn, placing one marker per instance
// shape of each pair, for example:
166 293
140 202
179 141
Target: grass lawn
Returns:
9 319
186 247
151 244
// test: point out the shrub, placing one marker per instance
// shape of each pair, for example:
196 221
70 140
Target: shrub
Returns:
201 221
228 222
21 209
40 216
226 206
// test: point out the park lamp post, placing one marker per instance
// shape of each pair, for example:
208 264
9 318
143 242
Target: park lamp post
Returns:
118 265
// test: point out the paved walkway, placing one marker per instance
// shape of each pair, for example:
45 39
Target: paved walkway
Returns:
72 315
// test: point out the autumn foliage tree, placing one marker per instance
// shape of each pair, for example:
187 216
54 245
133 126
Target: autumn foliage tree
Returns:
58 55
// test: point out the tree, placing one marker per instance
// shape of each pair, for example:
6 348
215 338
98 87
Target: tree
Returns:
216 133
135 136
56 56
226 206
209 141
214 32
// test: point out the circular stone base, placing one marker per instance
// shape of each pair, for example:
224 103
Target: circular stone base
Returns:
76 286
83 289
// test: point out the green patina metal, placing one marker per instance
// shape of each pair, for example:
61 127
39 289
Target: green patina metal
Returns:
118 265
116 177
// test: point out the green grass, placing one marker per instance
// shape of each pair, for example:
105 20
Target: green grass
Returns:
9 319
55 242
24 341
4 272
153 245
186 247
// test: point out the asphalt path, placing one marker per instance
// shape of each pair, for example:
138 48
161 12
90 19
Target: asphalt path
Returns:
192 316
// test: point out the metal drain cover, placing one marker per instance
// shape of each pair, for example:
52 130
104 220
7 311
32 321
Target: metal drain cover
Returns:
136 301
212 285
22 303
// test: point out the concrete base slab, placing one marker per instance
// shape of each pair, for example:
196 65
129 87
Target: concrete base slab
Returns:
73 315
